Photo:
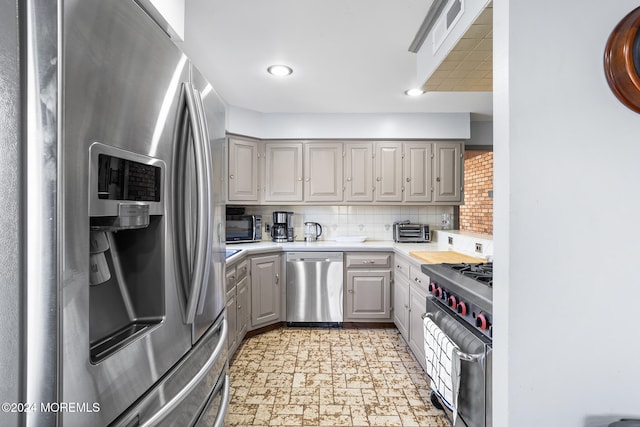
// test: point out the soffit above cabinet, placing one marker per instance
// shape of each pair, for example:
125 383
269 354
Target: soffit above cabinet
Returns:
469 66
459 58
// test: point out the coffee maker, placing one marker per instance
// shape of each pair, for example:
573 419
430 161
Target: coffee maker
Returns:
282 228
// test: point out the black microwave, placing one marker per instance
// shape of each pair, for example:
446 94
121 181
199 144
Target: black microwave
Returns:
243 228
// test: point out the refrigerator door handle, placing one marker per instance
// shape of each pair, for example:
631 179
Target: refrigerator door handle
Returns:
206 152
202 254
179 397
224 402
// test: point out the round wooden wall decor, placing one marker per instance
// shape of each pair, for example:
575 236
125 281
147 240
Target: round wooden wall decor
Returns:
622 60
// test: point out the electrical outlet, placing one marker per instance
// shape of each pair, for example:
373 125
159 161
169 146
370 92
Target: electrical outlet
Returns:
479 247
267 228
450 240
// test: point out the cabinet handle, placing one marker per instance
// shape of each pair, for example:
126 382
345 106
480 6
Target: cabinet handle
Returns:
277 278
350 291
231 176
408 179
438 179
307 179
349 179
378 179
299 178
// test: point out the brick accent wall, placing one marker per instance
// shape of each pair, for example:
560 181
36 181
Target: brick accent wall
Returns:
476 214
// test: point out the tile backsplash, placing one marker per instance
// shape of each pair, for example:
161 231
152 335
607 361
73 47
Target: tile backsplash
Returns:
375 222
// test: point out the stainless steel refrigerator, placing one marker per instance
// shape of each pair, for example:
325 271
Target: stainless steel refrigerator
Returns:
112 239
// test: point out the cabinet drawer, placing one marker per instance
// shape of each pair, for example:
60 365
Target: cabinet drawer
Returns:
230 278
369 260
401 267
418 277
241 270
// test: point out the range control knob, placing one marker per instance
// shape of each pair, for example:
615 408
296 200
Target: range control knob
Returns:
432 288
452 302
482 322
462 308
438 292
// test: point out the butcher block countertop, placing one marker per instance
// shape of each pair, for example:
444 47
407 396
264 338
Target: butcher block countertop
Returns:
450 257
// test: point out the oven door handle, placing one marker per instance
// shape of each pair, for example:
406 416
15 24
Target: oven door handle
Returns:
467 357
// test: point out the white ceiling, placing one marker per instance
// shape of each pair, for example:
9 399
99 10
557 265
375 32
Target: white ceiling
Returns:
348 56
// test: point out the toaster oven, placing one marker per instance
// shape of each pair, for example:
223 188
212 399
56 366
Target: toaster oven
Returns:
411 233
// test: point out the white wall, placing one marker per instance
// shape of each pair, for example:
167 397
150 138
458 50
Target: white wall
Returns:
173 12
481 134
375 222
398 126
567 242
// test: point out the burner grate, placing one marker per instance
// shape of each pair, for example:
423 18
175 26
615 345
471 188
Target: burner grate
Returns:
481 272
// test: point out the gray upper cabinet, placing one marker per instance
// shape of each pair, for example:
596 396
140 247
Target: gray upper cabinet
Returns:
323 172
283 172
388 171
449 163
352 172
358 171
243 170
418 172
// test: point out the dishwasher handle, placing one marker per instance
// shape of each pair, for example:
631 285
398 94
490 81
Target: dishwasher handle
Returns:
314 257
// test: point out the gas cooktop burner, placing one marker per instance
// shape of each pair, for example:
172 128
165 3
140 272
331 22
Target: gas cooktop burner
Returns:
480 272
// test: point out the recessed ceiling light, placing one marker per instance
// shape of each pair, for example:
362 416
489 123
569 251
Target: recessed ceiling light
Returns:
414 92
279 70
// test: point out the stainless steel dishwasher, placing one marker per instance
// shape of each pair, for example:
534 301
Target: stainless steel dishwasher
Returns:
314 288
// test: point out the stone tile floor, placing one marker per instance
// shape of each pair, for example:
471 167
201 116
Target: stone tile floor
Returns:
329 377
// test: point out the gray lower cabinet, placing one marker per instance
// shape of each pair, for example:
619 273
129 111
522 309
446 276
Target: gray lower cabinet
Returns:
243 306
236 277
367 287
401 305
409 304
266 289
417 306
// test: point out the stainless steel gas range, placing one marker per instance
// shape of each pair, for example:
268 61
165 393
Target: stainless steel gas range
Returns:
460 303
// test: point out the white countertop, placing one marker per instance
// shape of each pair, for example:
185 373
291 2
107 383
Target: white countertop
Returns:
374 245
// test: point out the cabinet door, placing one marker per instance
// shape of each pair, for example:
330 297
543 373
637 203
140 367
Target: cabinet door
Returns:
388 172
243 309
323 172
265 290
368 295
418 172
448 172
243 170
358 172
283 172
401 305
232 323
417 306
